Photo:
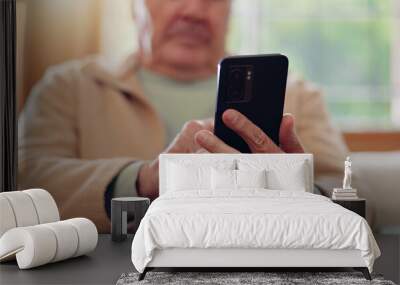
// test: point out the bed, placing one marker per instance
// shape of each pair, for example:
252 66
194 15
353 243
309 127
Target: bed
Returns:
247 211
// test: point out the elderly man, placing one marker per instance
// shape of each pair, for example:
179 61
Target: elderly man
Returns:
92 129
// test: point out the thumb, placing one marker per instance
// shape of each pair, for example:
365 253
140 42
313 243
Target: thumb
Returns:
289 141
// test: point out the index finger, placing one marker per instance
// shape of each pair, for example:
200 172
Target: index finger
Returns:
208 124
255 138
208 141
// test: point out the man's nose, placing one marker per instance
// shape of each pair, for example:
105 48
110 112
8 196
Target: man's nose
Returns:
196 9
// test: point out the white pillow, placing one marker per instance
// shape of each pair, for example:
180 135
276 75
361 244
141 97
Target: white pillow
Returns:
281 174
251 178
293 179
223 179
235 179
187 177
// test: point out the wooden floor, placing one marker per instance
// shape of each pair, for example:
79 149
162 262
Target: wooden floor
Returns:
389 262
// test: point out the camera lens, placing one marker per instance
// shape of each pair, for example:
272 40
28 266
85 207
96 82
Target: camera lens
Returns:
236 84
236 74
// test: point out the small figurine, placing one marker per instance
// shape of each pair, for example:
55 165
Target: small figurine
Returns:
347 174
347 192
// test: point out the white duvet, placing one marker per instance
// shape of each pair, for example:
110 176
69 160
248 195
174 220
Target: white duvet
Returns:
250 218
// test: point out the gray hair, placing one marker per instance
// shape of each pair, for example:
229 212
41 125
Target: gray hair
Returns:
138 8
140 13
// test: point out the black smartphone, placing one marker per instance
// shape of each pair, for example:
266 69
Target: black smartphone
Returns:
254 85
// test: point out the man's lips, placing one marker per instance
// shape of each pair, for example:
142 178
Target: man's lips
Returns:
190 39
189 33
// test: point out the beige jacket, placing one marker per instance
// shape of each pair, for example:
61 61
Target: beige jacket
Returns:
86 120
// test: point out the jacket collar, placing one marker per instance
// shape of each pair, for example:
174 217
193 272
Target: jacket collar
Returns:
118 74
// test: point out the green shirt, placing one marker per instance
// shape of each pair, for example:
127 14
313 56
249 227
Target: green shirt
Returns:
176 102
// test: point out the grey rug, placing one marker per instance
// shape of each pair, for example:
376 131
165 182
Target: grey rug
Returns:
228 278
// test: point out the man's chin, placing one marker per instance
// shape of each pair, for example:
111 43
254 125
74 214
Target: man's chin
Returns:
186 56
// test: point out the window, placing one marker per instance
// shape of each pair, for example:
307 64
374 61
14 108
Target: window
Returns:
351 48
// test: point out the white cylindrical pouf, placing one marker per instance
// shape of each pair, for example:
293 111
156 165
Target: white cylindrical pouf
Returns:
67 239
7 218
23 208
45 205
34 246
87 234
41 244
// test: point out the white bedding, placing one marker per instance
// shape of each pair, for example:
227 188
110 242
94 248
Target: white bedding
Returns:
251 218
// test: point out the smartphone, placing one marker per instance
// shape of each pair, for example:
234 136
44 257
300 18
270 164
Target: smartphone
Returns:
254 85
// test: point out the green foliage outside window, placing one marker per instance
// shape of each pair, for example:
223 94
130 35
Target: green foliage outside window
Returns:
345 46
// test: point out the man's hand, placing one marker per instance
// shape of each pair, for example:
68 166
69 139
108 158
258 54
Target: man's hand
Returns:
197 136
255 138
147 181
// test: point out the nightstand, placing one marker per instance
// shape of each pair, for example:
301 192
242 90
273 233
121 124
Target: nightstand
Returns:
356 205
124 211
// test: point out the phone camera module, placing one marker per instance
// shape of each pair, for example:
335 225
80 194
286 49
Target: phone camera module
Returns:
239 83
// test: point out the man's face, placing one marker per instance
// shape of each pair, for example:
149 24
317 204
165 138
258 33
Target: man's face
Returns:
186 33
